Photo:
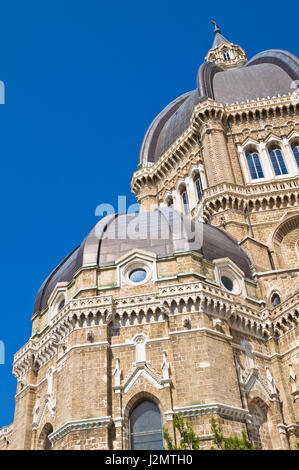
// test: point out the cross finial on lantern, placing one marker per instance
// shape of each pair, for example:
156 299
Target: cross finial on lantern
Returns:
217 29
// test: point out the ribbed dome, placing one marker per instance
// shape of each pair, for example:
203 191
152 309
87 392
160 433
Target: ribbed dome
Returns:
163 232
269 73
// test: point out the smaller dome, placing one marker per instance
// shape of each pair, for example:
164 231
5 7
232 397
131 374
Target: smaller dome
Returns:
269 73
163 232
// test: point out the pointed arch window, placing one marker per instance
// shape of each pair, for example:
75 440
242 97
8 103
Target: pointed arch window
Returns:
295 149
198 185
146 427
275 300
185 201
254 165
278 161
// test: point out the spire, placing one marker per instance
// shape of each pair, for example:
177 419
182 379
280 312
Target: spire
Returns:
225 53
217 29
218 39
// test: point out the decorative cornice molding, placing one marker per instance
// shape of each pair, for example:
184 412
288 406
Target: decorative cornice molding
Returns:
204 330
100 310
79 425
292 428
212 408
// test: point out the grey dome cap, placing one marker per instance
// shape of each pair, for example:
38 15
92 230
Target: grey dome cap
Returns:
269 73
163 232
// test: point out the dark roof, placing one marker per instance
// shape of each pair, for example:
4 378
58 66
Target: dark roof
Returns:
269 73
219 39
163 232
250 83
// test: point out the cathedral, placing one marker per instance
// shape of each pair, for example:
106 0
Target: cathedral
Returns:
190 305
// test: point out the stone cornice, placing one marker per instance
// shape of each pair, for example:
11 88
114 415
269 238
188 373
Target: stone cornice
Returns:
79 425
203 330
289 428
213 408
82 346
173 158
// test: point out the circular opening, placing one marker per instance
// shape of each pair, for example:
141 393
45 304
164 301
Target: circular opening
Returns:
275 300
137 275
228 284
61 305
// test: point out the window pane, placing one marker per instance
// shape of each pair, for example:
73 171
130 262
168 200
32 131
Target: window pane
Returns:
296 153
275 163
228 284
146 427
198 187
185 202
281 162
137 275
258 165
278 162
254 165
147 442
146 417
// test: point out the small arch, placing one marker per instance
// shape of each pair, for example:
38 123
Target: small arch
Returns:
184 197
44 442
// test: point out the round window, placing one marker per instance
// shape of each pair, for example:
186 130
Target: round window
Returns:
275 300
228 283
137 275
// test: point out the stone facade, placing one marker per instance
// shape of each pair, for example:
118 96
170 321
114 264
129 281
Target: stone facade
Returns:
182 340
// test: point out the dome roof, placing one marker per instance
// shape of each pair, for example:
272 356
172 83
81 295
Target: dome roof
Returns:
163 232
269 73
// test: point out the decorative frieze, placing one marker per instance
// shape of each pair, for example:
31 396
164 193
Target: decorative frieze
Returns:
169 300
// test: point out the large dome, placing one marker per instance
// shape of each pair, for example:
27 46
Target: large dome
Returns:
163 232
269 73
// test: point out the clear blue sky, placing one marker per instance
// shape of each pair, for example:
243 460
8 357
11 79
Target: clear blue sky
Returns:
83 81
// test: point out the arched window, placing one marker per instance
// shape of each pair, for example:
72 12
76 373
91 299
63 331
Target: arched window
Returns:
146 427
254 165
169 201
226 56
295 149
185 200
198 185
275 300
278 161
